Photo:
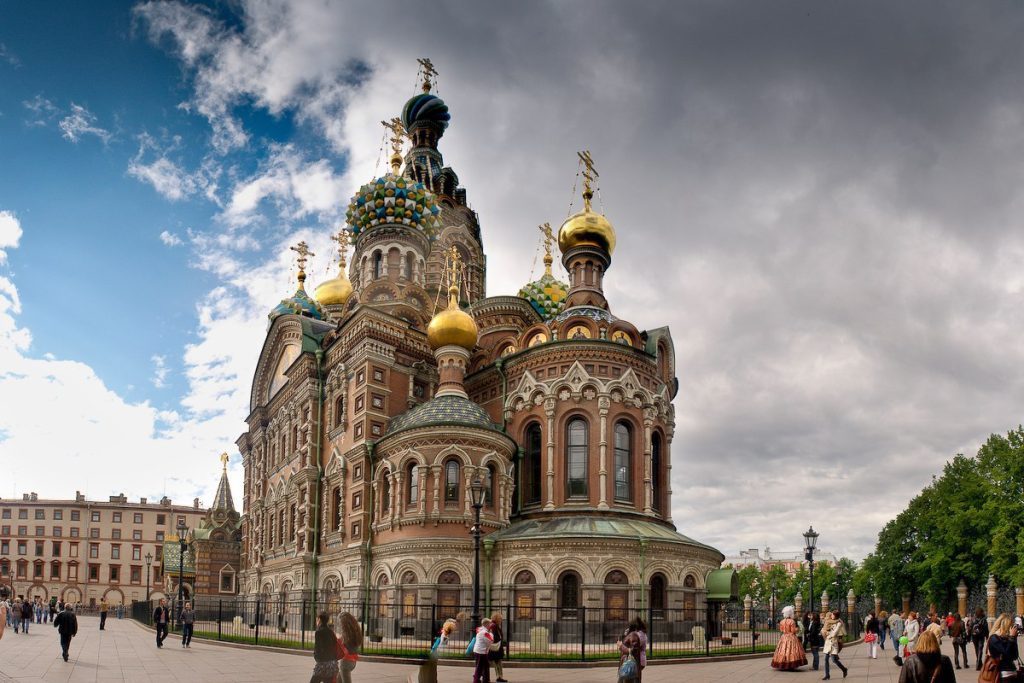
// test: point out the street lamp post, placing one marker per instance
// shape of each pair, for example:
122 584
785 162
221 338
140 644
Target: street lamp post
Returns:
478 491
771 619
182 546
149 561
811 538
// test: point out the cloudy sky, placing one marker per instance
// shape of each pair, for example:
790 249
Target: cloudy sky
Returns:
823 201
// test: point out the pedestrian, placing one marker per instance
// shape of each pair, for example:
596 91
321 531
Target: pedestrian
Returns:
482 641
188 623
789 654
834 644
349 643
120 611
958 633
4 616
427 672
15 614
66 624
813 638
38 606
912 631
883 628
325 651
1002 646
928 665
896 625
498 654
630 648
26 614
978 635
161 617
104 608
871 635
936 627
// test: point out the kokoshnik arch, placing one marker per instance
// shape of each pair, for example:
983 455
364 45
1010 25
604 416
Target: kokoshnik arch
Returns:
371 415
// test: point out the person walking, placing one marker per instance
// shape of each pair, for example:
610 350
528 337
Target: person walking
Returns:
883 628
789 654
958 634
349 643
38 607
871 635
813 638
325 651
161 617
498 654
834 644
481 652
1002 645
912 631
631 646
4 617
188 624
26 614
104 608
978 635
936 626
66 624
928 665
427 672
896 625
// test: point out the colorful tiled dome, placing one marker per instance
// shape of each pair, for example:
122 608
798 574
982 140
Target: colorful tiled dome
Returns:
546 295
298 303
425 108
396 200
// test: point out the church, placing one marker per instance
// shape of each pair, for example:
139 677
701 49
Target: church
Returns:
381 400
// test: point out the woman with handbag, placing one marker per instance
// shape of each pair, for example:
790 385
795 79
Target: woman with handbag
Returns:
349 643
498 648
871 635
834 644
630 649
928 665
1001 662
958 634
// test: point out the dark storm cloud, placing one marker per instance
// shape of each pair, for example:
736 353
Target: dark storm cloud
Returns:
821 199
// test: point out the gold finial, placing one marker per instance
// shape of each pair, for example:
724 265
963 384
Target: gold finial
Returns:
589 174
342 239
428 72
549 239
302 249
454 273
224 461
397 135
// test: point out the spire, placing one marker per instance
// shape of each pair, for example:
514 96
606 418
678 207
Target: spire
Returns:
587 240
342 238
222 499
302 249
452 334
589 174
428 70
397 136
549 240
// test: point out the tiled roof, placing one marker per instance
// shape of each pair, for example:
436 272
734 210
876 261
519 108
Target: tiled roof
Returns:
443 410
593 526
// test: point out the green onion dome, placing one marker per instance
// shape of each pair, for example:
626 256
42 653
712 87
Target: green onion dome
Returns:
393 199
298 303
546 295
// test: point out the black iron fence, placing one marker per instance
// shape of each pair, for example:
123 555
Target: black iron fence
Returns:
531 632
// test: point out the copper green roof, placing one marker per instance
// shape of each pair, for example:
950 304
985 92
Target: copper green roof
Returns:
443 410
593 527
723 584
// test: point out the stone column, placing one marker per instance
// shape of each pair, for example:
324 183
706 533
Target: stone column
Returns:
851 610
906 603
747 605
549 411
824 601
602 406
878 605
648 426
990 590
666 457
961 598
1019 590
798 603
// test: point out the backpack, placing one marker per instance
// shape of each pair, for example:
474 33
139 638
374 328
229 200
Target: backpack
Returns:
976 629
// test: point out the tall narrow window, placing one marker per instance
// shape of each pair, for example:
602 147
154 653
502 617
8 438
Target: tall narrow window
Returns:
413 487
623 462
568 595
490 485
378 264
576 458
385 493
656 478
657 591
451 482
336 508
409 261
531 469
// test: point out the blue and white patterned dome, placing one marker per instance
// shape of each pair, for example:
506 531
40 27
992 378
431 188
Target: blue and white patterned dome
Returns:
397 200
425 109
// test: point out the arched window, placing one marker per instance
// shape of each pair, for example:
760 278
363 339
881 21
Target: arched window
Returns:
623 462
525 594
657 589
378 264
385 493
409 595
690 597
448 591
490 487
616 595
412 488
568 595
409 265
531 468
576 458
656 478
451 483
339 408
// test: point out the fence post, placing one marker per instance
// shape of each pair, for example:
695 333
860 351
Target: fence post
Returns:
257 622
583 633
435 630
220 616
650 630
707 631
508 630
302 623
753 632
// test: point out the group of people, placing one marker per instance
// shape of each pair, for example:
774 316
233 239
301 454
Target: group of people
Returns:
335 656
22 611
162 621
905 630
822 633
16 615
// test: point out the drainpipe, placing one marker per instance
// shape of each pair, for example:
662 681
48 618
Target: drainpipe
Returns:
488 553
500 366
643 584
368 553
318 447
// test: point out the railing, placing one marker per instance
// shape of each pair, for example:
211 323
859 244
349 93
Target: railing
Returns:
531 633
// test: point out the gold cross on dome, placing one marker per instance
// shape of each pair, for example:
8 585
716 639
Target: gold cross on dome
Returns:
397 135
549 239
428 72
589 174
342 239
302 249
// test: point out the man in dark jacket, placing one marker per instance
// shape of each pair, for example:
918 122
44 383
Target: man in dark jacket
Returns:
26 613
66 624
161 618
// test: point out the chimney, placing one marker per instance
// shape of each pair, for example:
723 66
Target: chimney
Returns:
24 496
35 496
142 501
195 503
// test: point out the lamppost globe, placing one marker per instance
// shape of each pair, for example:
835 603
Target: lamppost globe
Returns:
477 494
811 539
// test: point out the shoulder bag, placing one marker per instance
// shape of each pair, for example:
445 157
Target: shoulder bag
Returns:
989 670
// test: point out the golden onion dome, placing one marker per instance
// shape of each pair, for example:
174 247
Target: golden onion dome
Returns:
586 228
334 292
452 325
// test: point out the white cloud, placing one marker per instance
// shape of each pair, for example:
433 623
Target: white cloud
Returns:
167 177
10 233
7 56
81 122
43 111
160 371
170 239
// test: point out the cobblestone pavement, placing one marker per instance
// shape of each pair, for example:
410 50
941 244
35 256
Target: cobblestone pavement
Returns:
126 652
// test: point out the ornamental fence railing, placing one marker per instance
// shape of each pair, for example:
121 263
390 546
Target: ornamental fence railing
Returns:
531 632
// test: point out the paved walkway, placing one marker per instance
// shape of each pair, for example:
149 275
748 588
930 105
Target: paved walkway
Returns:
124 652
